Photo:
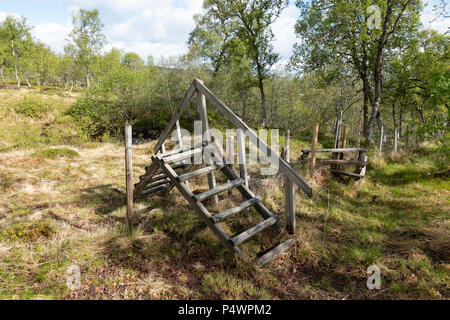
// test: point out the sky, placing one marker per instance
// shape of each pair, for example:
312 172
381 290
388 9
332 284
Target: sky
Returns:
149 27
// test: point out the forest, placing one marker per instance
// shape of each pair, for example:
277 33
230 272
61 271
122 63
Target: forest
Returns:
62 118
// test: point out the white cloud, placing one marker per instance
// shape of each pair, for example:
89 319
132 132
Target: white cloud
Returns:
430 20
52 34
283 30
3 15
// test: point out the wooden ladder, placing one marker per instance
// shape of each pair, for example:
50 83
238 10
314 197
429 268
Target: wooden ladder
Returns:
162 173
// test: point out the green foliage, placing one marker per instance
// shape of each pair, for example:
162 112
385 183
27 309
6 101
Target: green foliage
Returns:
53 153
33 107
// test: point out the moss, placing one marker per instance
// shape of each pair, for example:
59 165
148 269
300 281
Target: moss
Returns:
28 231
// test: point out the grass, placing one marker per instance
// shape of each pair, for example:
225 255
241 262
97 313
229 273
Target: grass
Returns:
61 206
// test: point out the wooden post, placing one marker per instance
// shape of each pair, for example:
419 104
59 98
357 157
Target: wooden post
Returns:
344 143
312 167
242 157
179 137
129 176
230 154
289 190
358 134
201 105
336 138
380 148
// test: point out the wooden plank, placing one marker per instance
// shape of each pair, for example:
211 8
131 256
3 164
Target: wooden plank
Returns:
201 106
152 169
182 156
275 252
202 212
247 193
238 123
238 239
344 142
290 205
346 150
349 162
129 175
152 190
242 157
158 183
184 103
313 150
230 155
353 175
213 192
199 172
241 207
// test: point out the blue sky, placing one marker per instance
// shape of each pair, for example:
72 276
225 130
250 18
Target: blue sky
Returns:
156 27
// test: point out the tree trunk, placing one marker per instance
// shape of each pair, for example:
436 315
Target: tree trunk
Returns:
88 83
2 77
17 78
263 102
28 82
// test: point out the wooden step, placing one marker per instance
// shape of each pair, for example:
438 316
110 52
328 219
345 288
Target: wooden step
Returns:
238 239
349 162
182 156
199 172
174 166
157 183
152 190
219 189
244 205
275 252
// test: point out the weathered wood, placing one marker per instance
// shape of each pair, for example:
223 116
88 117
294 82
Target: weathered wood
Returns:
349 162
201 107
151 170
242 157
199 172
129 175
202 212
290 205
152 190
238 239
213 192
243 206
230 155
247 193
184 103
179 137
275 158
353 175
346 150
182 156
313 150
289 190
157 184
344 143
275 252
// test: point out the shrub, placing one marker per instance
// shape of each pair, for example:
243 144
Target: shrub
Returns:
33 107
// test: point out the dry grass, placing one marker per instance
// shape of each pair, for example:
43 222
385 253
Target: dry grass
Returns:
59 211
